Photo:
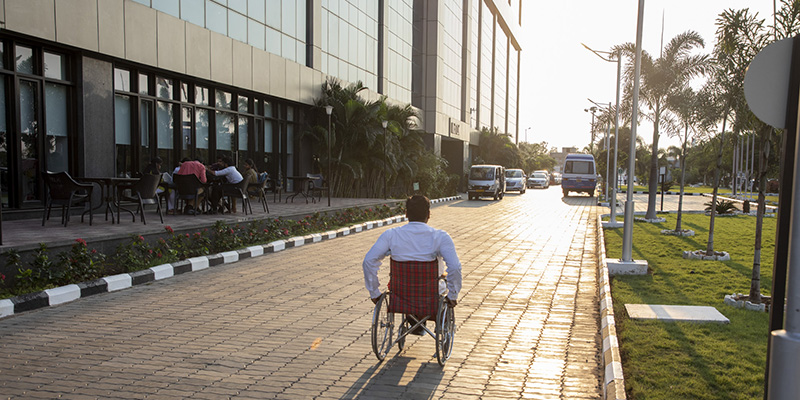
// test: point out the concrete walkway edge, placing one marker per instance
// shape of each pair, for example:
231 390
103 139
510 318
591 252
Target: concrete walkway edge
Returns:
613 381
68 293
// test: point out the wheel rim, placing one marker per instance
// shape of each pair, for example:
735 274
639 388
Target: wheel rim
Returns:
445 331
382 328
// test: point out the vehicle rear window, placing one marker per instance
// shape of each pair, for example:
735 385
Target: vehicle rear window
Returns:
481 173
579 167
539 175
513 173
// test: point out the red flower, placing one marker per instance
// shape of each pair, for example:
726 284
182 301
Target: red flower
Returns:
266 230
94 251
81 242
158 255
187 235
231 230
169 229
150 251
141 238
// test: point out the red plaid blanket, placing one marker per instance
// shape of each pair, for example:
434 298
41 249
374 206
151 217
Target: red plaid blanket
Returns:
415 287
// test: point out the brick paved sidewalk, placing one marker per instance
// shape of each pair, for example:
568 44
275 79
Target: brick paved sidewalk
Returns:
295 324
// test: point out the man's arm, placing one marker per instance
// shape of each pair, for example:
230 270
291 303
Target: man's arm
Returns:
372 262
447 250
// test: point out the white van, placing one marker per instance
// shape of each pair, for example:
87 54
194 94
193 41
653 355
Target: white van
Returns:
486 181
579 174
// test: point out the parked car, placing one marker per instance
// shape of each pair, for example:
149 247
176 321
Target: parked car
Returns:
486 181
555 178
538 179
515 180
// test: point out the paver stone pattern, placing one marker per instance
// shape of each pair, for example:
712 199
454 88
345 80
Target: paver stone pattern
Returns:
296 324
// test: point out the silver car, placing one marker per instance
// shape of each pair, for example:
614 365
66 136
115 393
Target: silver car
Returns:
539 179
515 180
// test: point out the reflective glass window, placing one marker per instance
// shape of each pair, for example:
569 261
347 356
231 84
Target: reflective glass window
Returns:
268 109
2 55
237 26
193 11
243 104
238 6
288 15
122 134
268 136
255 10
274 13
301 20
122 80
223 99
163 87
201 95
185 92
145 2
145 129
201 133
243 134
24 59
55 99
216 17
255 34
226 133
164 127
273 44
288 48
144 84
55 66
167 6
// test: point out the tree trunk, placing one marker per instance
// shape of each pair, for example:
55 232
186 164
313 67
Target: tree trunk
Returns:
710 244
755 280
678 227
652 185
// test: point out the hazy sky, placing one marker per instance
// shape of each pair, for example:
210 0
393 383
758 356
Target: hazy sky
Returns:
558 74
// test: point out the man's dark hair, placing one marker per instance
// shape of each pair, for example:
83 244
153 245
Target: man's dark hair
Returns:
157 160
418 208
185 159
227 161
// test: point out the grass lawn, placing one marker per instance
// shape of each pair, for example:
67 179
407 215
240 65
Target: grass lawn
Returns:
688 360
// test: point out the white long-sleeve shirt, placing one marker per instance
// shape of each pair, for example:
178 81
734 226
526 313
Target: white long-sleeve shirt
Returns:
415 241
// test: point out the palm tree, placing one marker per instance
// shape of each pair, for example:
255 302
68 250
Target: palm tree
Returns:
688 107
497 148
661 77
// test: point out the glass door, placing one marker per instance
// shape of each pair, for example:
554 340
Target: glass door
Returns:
30 142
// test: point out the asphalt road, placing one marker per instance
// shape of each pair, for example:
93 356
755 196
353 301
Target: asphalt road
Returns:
296 324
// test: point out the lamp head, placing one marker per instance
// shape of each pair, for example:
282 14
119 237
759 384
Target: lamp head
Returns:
329 110
384 124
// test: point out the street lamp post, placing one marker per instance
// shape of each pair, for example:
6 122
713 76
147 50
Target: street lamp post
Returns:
384 124
526 133
329 111
591 109
612 223
608 153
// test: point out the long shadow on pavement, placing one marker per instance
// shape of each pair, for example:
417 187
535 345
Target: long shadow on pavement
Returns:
386 380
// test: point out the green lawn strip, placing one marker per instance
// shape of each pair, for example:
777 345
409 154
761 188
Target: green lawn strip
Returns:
687 360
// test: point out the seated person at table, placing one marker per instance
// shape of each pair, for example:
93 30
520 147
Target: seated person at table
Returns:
232 177
196 168
250 172
154 168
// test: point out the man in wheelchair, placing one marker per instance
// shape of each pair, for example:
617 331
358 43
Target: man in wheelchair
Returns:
415 250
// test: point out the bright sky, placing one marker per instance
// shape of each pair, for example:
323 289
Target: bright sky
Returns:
558 75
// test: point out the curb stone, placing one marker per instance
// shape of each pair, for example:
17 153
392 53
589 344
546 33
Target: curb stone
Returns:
72 292
613 380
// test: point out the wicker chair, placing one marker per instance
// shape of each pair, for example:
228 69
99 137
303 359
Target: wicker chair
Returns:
66 192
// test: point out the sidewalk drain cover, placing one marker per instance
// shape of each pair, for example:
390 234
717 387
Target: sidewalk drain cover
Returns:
675 313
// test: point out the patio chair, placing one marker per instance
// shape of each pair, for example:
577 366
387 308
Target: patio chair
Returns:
66 192
239 191
318 185
259 190
188 187
276 187
141 193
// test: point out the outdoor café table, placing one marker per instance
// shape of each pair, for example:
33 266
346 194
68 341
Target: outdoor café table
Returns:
301 185
108 187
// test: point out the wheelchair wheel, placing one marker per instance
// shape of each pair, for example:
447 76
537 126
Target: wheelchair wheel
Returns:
382 328
445 332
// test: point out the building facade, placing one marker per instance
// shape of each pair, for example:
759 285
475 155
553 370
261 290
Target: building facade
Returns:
98 88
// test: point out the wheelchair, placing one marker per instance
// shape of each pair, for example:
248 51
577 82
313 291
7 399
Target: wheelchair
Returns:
413 291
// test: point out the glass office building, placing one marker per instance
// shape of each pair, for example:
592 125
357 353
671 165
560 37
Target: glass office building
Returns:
98 88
